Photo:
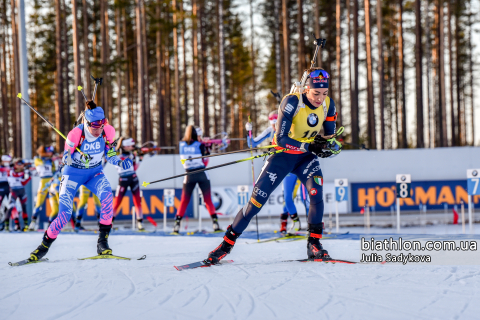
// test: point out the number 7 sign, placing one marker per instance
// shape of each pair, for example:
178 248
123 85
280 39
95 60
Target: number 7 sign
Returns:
473 182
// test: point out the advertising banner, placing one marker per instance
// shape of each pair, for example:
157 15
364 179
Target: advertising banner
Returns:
433 194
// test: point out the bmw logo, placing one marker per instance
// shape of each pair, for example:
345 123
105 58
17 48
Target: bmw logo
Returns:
404 178
474 173
340 182
312 120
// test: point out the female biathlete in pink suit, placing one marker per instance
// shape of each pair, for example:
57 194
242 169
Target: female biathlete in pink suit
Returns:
93 137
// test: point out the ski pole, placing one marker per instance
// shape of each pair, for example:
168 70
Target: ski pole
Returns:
253 173
144 184
98 81
231 152
86 156
83 93
340 131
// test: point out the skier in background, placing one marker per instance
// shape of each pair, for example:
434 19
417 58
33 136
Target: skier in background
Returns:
4 188
45 167
301 117
18 177
191 147
128 178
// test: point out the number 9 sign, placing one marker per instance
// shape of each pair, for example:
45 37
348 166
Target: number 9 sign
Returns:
341 190
404 182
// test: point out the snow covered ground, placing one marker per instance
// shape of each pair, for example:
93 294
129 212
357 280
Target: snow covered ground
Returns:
256 286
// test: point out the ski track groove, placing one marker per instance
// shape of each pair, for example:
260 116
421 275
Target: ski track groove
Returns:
72 309
170 296
467 304
271 310
273 288
207 294
133 287
252 300
17 306
72 282
368 302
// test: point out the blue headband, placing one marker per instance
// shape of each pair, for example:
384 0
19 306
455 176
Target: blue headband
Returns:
318 79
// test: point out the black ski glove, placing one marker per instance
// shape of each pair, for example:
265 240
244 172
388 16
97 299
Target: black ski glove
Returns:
324 148
318 147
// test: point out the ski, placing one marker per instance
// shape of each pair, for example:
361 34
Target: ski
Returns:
305 237
207 232
327 260
287 236
111 256
26 261
200 264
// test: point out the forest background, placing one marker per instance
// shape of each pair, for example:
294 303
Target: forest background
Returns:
403 73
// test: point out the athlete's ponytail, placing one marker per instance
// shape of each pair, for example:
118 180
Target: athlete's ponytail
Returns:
41 150
190 135
90 105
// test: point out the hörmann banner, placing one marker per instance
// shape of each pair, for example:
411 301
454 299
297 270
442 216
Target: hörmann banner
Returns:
433 194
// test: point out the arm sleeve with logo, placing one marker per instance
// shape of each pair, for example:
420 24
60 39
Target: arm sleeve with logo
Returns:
73 138
110 133
330 124
284 123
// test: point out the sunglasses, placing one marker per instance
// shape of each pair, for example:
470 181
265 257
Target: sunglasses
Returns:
97 124
317 73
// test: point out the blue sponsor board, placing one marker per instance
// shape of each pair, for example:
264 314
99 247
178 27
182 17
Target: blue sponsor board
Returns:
152 205
433 194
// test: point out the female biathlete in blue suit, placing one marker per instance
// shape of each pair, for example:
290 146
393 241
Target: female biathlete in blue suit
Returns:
290 181
301 117
93 137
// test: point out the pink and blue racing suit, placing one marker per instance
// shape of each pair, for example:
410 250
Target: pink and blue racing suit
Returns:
91 175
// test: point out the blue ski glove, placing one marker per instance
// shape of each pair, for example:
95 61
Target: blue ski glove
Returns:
125 164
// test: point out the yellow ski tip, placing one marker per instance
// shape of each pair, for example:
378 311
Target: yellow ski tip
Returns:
19 96
145 183
79 88
183 160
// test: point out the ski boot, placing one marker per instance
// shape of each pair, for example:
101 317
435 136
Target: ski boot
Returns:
102 243
140 225
33 225
176 227
296 224
78 226
6 226
2 226
42 249
314 247
25 223
283 223
224 248
17 226
216 226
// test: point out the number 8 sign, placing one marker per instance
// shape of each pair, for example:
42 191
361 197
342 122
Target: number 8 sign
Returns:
403 185
341 190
